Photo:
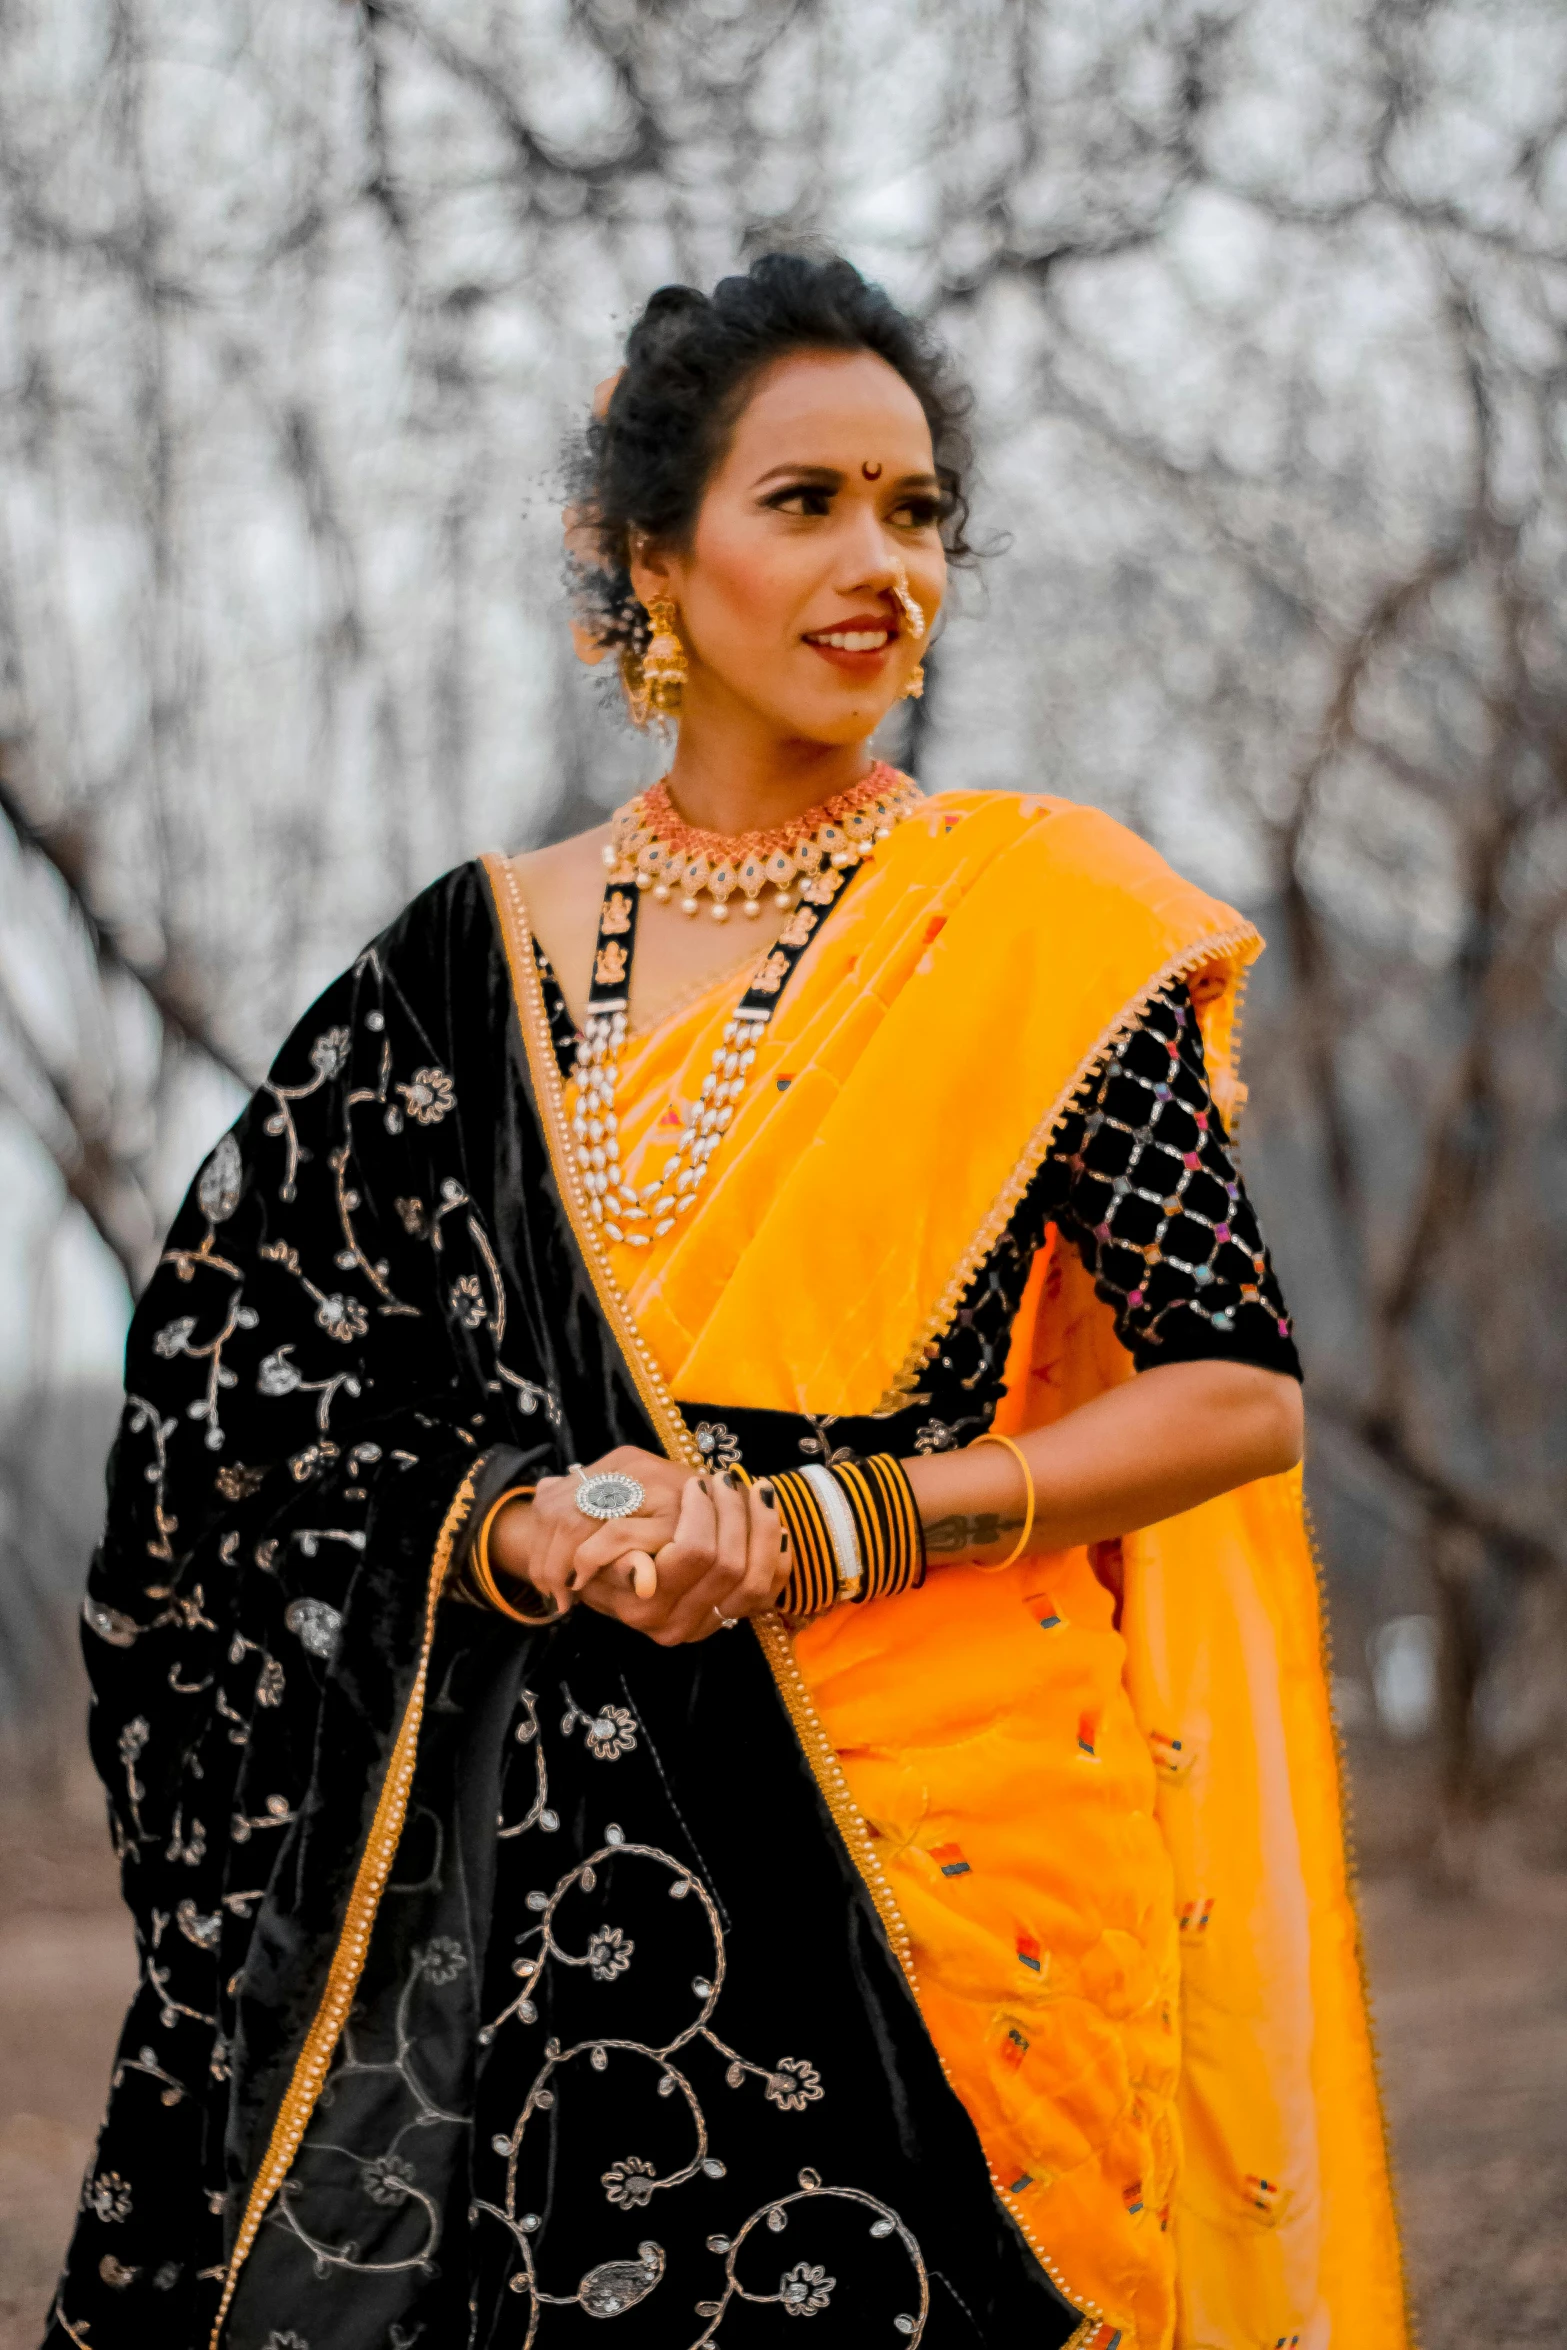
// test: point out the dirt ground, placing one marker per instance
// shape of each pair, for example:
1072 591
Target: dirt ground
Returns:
1471 2010
1471 1997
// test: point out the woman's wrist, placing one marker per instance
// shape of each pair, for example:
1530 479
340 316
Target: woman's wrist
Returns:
508 1536
494 1570
973 1504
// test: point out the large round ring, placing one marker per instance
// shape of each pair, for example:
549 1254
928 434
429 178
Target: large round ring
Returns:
612 1494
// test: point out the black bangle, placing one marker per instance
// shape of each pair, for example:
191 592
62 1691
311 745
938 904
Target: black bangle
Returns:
888 1534
887 1518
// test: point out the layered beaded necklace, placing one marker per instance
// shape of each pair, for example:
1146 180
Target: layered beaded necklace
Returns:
808 863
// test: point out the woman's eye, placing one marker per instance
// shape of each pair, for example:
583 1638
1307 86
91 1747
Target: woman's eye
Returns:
917 513
804 498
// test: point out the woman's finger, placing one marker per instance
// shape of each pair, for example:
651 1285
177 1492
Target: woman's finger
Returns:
756 1588
767 1556
603 1540
710 1600
565 1531
766 1568
727 1558
570 1529
681 1564
690 1552
730 1500
551 1550
644 1575
604 1545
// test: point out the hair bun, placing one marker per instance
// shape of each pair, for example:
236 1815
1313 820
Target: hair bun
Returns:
671 301
667 318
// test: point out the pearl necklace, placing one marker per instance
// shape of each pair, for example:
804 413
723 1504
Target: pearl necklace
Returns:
637 1215
652 845
613 1200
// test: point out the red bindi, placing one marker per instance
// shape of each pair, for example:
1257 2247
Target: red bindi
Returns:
870 471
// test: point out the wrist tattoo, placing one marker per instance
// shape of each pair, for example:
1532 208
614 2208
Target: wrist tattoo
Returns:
956 1534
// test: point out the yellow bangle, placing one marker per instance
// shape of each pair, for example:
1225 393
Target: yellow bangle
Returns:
483 1573
990 1437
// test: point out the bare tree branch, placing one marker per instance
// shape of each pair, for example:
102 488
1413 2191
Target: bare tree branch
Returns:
170 989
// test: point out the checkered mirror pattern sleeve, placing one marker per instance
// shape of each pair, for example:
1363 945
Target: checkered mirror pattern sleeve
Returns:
1142 1181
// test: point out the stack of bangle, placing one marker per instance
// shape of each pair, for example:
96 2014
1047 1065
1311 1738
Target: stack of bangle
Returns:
855 1532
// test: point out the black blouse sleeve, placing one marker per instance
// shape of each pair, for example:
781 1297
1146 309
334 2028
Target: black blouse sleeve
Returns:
1140 1180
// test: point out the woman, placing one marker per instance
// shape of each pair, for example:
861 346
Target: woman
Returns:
705 1657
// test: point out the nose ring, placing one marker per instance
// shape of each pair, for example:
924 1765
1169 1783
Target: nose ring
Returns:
913 612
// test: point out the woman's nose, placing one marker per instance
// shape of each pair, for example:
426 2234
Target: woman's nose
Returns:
870 558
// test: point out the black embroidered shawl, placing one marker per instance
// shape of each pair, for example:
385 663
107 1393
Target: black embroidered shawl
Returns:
629 2041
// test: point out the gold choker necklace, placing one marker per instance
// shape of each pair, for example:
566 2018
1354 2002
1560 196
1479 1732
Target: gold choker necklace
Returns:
652 845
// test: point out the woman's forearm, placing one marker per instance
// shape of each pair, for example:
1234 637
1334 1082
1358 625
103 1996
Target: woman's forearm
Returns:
1156 1445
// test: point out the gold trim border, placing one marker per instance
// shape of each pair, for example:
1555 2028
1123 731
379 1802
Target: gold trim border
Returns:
662 1410
348 1959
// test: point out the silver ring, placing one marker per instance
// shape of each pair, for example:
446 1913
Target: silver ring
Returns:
726 1623
612 1494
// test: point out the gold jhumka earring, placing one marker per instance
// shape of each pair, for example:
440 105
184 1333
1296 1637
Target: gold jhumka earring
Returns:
653 683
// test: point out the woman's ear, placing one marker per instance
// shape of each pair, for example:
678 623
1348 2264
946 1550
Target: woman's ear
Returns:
587 647
651 574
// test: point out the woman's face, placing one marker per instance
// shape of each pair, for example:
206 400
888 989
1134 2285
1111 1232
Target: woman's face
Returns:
827 486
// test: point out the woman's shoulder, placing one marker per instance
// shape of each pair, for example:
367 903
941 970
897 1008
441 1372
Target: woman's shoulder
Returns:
443 940
1066 846
562 887
1072 829
437 920
575 863
435 949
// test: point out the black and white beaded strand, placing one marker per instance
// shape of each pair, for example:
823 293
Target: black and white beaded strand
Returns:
614 1201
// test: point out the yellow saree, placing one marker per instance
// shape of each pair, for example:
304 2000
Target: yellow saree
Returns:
1110 1860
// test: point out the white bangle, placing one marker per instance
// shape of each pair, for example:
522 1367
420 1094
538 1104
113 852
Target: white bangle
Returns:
840 1526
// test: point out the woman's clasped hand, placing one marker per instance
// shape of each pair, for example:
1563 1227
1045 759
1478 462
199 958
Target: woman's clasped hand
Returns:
701 1550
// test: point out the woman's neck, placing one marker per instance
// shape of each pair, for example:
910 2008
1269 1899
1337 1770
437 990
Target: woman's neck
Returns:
739 785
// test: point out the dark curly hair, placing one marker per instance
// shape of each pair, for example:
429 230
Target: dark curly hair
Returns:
640 469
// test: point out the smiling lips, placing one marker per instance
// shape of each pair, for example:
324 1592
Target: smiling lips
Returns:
860 642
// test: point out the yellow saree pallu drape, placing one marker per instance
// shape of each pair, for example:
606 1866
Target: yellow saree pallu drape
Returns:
1111 1857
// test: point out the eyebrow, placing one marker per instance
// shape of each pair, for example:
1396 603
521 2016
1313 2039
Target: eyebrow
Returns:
831 477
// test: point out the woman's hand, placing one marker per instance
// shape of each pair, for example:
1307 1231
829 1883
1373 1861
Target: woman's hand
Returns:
721 1552
537 1542
728 1557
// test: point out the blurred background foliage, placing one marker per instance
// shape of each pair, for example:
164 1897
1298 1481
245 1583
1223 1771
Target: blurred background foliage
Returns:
1263 304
